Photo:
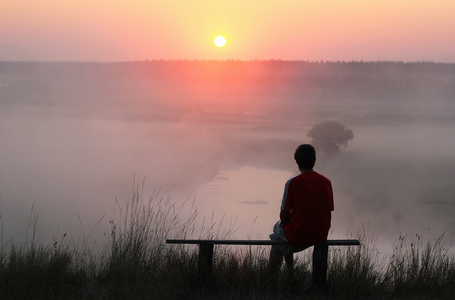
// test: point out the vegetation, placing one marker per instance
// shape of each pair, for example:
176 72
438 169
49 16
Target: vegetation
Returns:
329 136
135 263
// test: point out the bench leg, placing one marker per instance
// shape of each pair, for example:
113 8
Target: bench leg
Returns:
205 262
320 254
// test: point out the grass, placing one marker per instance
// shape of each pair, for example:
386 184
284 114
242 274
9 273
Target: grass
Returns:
135 263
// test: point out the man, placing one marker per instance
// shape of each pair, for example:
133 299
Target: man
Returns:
305 211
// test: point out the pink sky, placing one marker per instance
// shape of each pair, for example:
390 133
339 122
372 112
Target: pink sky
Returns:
121 30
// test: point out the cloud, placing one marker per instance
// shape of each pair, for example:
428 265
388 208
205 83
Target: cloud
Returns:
220 178
253 202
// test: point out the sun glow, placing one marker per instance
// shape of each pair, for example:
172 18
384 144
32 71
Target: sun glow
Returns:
220 41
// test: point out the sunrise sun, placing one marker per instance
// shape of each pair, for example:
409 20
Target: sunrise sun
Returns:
220 41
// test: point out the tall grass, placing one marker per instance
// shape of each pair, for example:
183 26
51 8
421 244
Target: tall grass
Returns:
133 262
359 268
424 267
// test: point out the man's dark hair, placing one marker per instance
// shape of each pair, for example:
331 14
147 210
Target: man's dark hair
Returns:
305 156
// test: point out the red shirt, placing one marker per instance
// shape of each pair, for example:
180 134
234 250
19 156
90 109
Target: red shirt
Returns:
308 198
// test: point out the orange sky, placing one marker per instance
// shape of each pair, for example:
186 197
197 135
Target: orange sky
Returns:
119 30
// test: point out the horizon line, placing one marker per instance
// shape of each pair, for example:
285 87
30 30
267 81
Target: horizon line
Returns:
232 60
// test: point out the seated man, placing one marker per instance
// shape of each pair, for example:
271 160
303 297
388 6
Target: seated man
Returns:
305 211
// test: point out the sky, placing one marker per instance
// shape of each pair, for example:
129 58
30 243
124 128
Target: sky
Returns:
329 30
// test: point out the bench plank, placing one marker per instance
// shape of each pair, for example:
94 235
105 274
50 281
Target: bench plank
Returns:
256 242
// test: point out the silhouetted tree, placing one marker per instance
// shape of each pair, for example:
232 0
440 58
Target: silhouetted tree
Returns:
327 137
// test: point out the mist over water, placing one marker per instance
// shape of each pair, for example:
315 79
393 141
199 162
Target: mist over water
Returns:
75 136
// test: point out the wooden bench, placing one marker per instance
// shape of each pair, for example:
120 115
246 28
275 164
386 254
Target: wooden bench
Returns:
320 254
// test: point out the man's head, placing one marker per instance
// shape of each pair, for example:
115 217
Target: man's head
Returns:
305 156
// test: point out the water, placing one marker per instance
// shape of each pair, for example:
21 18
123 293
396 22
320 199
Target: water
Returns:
391 178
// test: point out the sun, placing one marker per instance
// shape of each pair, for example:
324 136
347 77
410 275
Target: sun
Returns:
220 41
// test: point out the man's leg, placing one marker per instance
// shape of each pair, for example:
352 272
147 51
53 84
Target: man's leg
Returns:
290 265
275 260
289 258
289 261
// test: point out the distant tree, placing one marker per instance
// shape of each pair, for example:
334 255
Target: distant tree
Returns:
328 137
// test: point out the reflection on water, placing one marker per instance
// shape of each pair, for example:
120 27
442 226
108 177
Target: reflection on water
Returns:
251 195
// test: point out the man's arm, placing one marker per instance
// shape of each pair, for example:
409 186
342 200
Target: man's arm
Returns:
285 217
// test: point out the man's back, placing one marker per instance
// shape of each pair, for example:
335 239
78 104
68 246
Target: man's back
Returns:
309 199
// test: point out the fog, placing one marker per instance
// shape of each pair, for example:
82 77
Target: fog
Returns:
76 138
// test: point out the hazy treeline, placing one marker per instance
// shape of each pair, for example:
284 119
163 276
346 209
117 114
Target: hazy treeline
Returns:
27 82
